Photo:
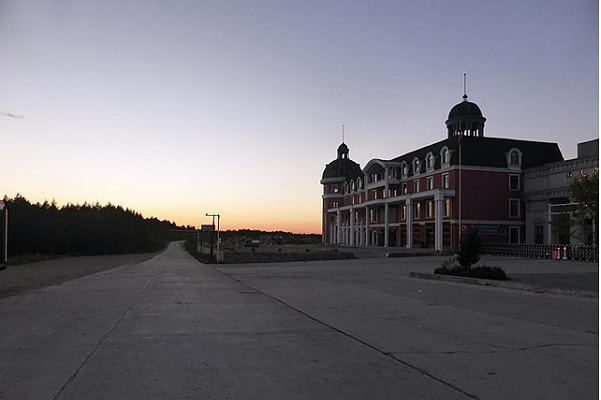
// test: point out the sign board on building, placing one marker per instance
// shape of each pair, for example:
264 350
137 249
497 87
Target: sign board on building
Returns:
567 208
488 230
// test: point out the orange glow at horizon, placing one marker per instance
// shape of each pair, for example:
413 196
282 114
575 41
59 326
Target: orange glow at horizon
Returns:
272 223
302 219
301 227
306 222
308 226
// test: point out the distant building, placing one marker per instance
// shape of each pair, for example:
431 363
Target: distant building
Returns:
430 197
548 198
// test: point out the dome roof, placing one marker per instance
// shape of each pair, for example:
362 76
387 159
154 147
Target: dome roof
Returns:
465 109
342 168
465 119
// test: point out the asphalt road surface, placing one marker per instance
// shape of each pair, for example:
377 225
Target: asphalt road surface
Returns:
171 328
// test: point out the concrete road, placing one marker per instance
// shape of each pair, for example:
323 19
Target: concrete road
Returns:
171 328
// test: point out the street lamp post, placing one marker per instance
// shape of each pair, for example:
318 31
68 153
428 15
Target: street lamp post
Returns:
4 212
218 216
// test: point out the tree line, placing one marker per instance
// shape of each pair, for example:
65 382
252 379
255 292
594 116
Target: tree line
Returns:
273 237
88 229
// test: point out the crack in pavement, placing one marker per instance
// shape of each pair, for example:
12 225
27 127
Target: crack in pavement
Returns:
506 351
354 338
73 376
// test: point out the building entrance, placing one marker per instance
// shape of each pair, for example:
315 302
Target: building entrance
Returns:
430 236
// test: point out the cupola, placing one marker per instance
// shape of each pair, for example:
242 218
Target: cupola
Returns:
466 118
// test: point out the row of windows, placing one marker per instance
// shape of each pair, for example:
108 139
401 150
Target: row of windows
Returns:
514 160
403 171
416 164
427 207
394 191
426 210
514 185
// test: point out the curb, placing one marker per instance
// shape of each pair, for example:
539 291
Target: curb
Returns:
504 284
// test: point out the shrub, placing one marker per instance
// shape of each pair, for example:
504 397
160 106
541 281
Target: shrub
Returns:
485 272
451 267
469 250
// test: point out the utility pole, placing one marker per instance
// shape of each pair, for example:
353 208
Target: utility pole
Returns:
4 218
218 216
4 211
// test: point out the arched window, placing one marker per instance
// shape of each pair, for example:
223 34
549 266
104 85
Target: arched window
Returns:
429 161
404 168
445 156
514 158
416 165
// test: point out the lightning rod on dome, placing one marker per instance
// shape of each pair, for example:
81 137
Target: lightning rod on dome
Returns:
343 133
464 87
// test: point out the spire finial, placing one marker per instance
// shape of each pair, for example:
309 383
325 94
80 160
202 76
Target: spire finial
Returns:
464 88
342 133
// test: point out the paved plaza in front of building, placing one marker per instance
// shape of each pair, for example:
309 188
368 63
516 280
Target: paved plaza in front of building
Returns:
170 327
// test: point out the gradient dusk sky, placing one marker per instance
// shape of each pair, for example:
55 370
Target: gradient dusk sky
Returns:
176 108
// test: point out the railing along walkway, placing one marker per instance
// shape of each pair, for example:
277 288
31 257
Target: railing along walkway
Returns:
549 251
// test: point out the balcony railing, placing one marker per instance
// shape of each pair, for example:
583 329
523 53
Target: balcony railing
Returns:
549 251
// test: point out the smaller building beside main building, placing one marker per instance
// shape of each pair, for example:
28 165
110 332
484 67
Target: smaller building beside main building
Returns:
549 202
430 197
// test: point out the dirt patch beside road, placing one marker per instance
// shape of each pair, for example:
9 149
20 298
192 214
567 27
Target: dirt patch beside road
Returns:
283 253
17 279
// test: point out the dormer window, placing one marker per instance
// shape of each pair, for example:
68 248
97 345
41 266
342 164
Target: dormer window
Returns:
404 169
416 165
429 162
514 159
445 157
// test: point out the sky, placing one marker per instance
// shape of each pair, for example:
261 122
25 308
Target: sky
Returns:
176 109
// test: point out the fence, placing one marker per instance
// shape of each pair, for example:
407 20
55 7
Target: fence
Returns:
549 251
218 255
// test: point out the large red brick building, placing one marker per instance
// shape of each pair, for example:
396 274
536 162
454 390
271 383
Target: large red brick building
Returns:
429 197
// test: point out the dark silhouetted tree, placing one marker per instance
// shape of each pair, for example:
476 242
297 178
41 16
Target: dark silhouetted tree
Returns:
585 193
81 229
469 250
